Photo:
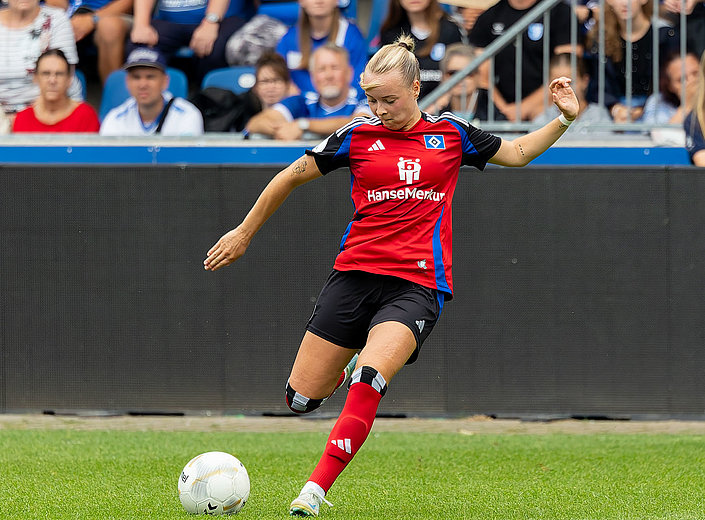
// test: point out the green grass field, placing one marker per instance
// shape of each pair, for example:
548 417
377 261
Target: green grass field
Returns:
117 474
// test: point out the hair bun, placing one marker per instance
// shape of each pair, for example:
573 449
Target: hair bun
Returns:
405 41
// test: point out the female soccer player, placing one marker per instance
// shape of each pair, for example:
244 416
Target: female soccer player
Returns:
392 275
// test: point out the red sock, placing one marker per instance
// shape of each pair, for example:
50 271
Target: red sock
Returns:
340 382
348 434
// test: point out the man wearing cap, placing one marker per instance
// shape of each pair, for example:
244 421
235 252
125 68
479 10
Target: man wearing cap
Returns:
151 109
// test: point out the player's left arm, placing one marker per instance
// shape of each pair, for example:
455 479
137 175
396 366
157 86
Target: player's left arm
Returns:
523 150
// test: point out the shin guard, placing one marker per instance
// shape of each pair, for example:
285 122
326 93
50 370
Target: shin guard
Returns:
298 403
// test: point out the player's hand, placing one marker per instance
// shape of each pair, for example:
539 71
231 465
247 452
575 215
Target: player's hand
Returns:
564 97
230 247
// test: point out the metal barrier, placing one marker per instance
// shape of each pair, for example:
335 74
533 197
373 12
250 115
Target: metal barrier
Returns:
513 36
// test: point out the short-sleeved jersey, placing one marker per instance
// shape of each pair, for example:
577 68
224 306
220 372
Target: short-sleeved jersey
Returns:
309 105
183 119
402 190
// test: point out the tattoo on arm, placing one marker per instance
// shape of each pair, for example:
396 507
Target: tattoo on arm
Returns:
521 150
300 167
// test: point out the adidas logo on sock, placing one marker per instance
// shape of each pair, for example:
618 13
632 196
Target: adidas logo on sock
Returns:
343 444
377 145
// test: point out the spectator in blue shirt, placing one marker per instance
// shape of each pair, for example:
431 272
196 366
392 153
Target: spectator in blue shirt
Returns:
333 104
321 22
204 25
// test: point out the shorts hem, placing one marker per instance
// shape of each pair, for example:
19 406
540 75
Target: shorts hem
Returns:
329 337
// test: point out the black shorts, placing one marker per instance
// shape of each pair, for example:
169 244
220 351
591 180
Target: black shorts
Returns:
352 302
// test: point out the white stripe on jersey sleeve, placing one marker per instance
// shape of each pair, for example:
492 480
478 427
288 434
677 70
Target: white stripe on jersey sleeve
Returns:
447 115
358 121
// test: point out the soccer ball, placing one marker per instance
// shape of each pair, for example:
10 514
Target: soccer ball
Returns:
214 483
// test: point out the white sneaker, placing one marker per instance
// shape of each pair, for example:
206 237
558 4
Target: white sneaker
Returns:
307 504
348 370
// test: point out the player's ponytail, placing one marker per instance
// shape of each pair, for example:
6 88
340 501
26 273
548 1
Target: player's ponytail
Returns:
397 56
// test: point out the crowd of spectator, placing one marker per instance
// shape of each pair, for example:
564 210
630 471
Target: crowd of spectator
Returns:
306 73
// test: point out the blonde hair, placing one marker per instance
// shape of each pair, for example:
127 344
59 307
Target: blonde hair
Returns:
700 103
398 56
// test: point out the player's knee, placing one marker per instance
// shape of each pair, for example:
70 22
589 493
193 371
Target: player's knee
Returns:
369 376
298 403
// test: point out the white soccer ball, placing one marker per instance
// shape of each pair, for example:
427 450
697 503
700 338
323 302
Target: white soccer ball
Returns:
214 483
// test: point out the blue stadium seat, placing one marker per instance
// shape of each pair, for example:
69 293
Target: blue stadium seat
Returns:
288 12
238 79
115 91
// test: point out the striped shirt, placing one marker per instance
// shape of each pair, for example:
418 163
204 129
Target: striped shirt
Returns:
19 50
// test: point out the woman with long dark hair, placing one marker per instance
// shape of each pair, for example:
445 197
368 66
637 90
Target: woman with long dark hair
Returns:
617 40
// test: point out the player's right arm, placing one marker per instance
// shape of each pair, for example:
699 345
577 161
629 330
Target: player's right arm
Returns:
233 244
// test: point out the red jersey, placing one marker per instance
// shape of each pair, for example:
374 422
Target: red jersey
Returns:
83 119
402 190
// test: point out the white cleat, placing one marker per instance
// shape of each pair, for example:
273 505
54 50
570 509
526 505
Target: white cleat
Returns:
349 369
307 504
